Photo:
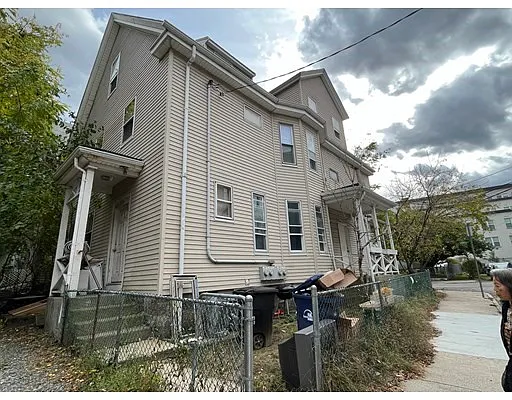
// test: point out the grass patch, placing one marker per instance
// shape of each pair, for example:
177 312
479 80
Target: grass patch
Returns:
267 371
126 377
386 352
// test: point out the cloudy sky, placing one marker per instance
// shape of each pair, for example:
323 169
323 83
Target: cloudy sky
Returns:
439 84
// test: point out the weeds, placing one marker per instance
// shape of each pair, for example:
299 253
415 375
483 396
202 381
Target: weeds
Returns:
126 377
385 351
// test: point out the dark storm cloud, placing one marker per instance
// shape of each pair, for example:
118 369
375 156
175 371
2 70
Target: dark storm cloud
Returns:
400 59
473 113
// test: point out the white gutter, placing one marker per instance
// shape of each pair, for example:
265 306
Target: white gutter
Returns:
208 179
181 263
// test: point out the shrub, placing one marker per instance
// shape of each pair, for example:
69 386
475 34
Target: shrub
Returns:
469 267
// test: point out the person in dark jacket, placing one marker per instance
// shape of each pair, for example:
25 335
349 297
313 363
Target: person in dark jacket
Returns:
502 279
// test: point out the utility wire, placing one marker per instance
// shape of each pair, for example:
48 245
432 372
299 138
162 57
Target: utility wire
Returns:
332 54
486 176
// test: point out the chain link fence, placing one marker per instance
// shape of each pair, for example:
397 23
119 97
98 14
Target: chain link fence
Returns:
181 344
340 316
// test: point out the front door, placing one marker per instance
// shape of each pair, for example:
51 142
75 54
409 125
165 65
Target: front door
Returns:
118 243
344 234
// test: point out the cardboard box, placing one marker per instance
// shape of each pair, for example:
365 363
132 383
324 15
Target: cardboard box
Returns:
349 278
331 278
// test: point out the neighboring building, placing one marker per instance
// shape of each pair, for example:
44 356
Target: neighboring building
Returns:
204 172
499 224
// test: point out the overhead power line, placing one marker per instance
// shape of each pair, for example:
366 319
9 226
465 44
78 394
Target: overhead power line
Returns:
332 54
486 176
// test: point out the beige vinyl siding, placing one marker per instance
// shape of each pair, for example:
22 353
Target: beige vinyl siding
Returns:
315 88
241 157
143 77
338 217
315 188
346 173
292 93
101 230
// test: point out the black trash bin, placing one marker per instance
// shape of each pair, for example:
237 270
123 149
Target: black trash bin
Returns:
264 299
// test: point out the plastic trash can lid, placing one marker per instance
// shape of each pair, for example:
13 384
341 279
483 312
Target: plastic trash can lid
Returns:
255 290
308 282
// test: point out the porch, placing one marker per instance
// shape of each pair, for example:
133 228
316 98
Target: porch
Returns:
356 229
85 172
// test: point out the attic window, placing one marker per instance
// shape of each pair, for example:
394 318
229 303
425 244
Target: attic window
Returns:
312 104
114 71
336 128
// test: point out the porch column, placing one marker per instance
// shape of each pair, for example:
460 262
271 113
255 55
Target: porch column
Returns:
58 267
382 261
376 224
77 245
364 237
388 227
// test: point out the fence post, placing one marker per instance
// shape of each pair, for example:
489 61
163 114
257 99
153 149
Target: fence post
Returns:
118 334
95 321
65 307
248 339
381 300
316 338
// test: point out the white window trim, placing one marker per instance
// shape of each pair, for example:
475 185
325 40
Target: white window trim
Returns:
317 228
310 100
255 112
337 180
508 223
313 135
123 143
294 164
494 243
220 217
254 223
334 130
490 222
118 57
295 234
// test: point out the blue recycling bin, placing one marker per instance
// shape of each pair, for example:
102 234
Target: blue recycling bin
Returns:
329 308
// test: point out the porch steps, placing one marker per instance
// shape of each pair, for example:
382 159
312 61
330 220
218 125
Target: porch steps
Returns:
109 338
113 320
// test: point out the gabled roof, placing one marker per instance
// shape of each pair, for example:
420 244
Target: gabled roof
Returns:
315 73
216 48
116 20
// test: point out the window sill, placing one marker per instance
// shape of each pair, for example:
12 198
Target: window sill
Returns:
126 141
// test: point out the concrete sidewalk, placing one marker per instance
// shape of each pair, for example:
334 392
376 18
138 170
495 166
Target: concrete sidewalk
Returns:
469 354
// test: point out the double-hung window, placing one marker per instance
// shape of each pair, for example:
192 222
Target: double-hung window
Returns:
259 221
320 228
287 147
114 71
295 231
129 115
311 141
224 202
336 128
490 225
508 223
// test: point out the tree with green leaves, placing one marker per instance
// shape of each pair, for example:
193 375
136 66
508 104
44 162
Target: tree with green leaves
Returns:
433 208
30 151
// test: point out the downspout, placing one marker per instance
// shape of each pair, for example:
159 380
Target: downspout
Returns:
208 179
181 262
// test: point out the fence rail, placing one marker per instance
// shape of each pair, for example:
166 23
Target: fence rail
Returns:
341 315
188 344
